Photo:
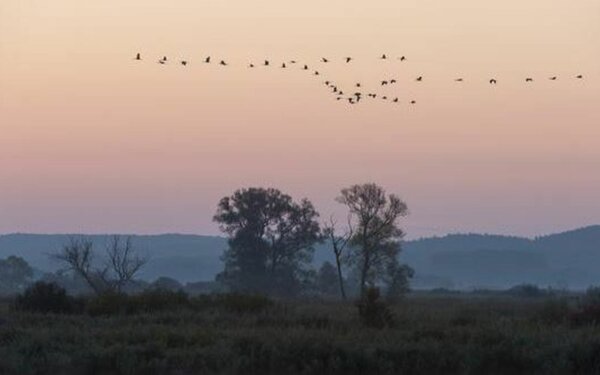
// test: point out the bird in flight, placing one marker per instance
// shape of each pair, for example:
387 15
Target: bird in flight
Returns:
458 80
138 56
161 62
207 60
419 78
395 100
324 60
266 63
383 57
292 61
493 81
164 58
357 84
392 81
383 83
554 78
223 62
579 76
305 67
251 65
413 102
384 97
348 59
184 62
403 58
283 65
528 79
316 73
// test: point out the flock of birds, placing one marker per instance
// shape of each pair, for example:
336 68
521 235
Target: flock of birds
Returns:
340 94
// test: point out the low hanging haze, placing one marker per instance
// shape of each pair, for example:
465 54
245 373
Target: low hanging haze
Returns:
92 141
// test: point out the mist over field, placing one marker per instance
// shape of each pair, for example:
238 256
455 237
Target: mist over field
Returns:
459 261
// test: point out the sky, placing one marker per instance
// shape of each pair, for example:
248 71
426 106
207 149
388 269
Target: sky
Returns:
92 141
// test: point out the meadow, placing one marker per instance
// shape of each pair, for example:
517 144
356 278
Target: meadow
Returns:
429 334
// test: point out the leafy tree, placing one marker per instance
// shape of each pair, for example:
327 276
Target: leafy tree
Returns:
271 240
15 275
375 242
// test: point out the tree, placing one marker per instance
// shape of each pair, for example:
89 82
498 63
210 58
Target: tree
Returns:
327 279
15 275
338 243
271 240
120 267
375 242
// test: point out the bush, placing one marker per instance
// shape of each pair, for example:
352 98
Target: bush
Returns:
150 301
44 297
234 302
372 311
527 291
553 311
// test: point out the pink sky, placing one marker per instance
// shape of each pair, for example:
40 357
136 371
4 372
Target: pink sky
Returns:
92 141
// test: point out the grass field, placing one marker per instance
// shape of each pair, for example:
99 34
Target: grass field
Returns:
430 335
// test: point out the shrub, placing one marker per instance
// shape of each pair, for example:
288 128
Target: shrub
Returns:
44 297
372 311
147 302
527 291
553 311
234 302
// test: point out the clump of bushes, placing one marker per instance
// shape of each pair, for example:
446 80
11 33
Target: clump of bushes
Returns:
150 301
233 302
527 291
372 311
42 297
589 308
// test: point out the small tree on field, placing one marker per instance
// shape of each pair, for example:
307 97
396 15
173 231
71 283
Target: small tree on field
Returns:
338 243
375 242
121 265
271 240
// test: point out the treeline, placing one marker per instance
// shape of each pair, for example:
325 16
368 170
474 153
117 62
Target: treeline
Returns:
271 242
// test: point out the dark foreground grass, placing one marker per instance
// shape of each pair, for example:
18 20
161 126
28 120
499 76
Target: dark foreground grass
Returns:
431 335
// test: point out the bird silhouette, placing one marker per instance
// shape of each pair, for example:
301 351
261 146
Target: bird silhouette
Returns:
316 73
266 63
395 100
292 61
413 102
283 65
350 100
357 84
348 59
207 60
138 56
384 97
324 59
528 79
493 81
419 79
458 80
392 81
579 76
305 67
251 65
162 62
403 58
164 58
553 78
383 57
383 83
222 62
327 83
184 63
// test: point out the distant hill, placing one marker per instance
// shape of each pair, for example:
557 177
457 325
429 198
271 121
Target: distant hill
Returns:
570 259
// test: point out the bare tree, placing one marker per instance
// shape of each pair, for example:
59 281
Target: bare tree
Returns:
78 256
376 238
123 261
338 243
121 265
